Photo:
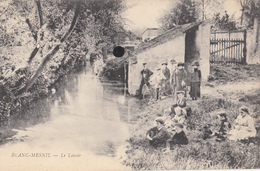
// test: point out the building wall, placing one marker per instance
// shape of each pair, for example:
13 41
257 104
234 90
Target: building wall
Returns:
174 49
203 43
192 51
253 45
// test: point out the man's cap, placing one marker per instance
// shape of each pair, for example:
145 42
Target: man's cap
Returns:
178 125
195 63
144 63
160 120
164 63
244 108
180 64
179 92
173 61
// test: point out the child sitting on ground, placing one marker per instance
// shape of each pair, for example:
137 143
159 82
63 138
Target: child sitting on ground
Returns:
158 135
180 116
221 133
178 137
225 126
181 102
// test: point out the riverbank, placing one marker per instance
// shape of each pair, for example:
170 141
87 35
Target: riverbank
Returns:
32 107
227 94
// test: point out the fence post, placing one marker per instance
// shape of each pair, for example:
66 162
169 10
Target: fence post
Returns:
244 49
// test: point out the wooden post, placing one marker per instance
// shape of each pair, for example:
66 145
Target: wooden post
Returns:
244 50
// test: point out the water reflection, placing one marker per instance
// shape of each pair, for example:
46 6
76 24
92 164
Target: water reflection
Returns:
89 118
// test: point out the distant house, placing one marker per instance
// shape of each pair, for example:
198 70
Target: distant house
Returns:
184 43
149 34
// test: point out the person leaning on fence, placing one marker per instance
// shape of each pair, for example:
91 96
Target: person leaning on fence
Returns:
158 135
243 127
195 81
146 73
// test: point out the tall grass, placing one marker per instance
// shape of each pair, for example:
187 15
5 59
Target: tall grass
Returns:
199 153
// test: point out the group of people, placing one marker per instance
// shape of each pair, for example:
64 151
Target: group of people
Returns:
172 80
170 128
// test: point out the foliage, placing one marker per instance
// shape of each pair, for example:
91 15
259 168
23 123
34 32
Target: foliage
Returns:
182 12
205 9
250 11
37 27
224 22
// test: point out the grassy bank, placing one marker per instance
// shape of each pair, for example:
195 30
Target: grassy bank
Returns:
200 153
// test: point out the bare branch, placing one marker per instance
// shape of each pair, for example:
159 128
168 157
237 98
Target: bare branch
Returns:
39 7
73 23
34 33
51 53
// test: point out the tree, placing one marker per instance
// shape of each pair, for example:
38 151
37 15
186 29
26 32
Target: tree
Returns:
94 24
205 9
182 12
250 11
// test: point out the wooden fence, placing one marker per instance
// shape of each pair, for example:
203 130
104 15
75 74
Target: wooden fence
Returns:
228 50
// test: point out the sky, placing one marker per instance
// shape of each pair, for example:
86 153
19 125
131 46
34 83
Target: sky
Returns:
142 14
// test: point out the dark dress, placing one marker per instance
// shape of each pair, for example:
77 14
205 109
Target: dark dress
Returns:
179 138
167 74
180 75
195 84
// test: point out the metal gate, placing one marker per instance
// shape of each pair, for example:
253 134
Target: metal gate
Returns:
228 47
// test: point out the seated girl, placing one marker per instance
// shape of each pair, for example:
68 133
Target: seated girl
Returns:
243 126
180 116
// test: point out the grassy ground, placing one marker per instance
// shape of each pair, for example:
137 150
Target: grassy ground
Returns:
199 153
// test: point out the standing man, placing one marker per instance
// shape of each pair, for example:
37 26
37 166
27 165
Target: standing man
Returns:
173 68
167 74
166 71
195 81
146 73
180 76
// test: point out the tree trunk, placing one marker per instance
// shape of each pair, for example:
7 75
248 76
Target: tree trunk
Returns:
51 53
36 49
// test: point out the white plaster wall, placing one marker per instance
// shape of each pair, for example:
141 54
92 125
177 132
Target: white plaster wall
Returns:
253 45
174 49
204 48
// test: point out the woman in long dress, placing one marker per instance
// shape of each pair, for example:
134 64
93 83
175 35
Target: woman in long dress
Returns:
244 126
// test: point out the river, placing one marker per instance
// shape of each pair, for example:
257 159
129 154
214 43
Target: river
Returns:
88 132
